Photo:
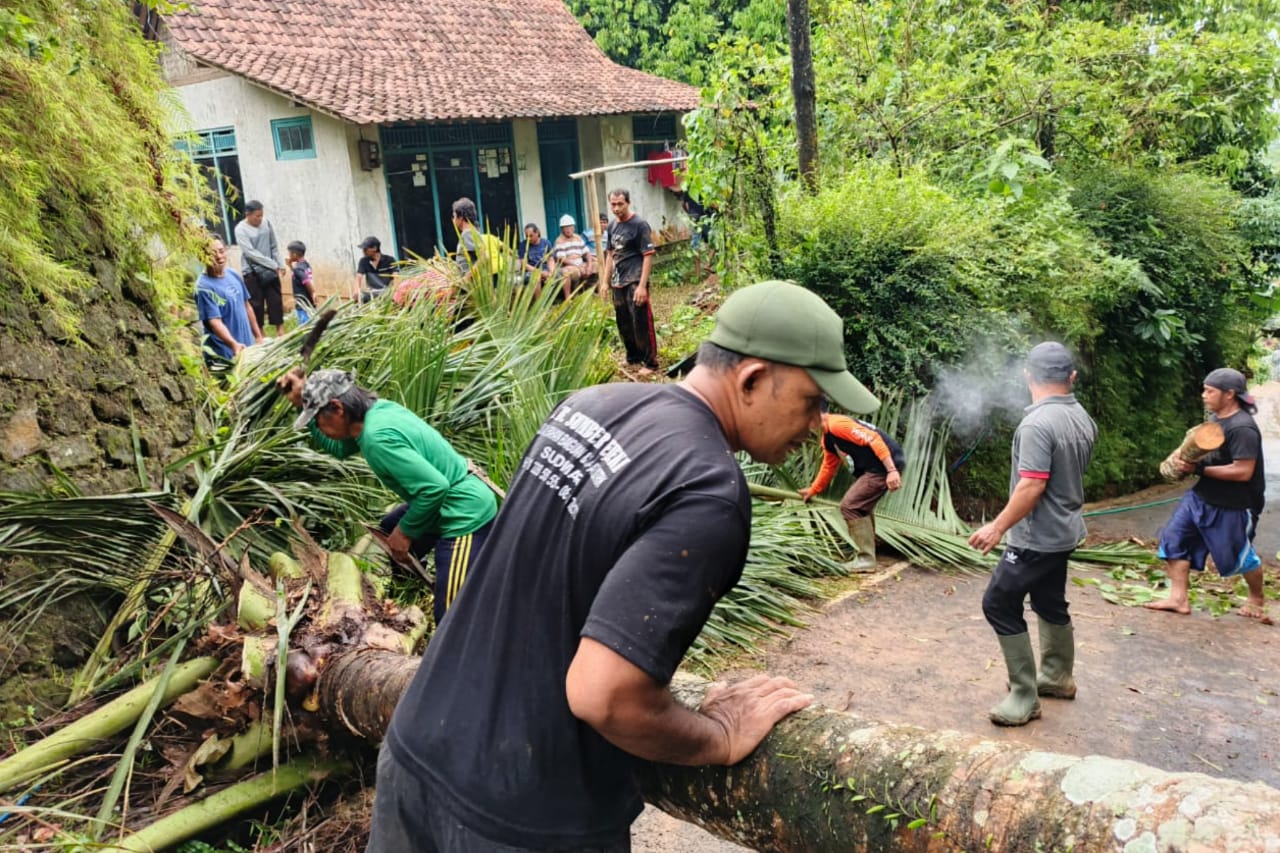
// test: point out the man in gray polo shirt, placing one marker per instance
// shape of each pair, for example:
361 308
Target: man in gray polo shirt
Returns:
1051 448
261 266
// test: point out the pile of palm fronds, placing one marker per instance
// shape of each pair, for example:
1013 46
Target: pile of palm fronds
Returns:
919 520
484 367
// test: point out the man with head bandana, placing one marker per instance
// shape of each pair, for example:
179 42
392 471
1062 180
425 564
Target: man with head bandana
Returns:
1219 515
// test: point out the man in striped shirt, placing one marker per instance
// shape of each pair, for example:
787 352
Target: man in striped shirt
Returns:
571 257
876 461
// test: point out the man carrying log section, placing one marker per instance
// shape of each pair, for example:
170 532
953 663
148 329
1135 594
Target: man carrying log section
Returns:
1051 449
445 509
1219 515
876 461
628 519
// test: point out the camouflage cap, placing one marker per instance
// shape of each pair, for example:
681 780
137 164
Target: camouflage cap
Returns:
321 388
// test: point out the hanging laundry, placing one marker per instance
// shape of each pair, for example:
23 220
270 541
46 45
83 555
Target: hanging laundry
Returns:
662 174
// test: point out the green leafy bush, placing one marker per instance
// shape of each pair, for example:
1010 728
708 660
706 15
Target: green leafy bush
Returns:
902 262
1145 276
90 183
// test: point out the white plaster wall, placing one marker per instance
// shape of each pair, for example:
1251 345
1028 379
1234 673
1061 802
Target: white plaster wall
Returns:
327 202
590 153
658 206
529 175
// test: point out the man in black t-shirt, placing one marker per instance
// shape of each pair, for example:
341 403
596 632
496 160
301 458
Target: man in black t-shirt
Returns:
628 258
1219 516
627 520
375 272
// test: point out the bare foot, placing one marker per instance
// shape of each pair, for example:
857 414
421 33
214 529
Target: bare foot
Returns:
645 372
1253 610
1169 605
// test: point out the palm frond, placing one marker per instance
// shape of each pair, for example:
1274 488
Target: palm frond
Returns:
791 547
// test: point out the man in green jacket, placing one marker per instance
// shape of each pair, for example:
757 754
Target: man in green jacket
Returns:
445 509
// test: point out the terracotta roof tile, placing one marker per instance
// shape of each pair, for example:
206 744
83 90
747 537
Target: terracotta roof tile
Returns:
380 61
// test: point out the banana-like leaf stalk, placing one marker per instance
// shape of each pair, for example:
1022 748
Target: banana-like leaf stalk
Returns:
253 608
184 824
248 746
111 719
124 770
285 623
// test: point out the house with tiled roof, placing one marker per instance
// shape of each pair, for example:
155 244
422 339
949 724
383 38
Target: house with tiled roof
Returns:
348 118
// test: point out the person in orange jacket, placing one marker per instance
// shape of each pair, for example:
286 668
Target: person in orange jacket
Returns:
877 462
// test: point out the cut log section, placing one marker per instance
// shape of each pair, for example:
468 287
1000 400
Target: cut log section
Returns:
1199 442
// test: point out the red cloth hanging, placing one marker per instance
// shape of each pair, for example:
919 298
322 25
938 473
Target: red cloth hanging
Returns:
663 174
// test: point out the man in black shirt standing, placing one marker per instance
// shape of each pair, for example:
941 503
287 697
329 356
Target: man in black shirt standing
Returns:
628 519
375 273
628 258
1219 516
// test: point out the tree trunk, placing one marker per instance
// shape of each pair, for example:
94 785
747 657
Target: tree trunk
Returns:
803 90
359 690
827 781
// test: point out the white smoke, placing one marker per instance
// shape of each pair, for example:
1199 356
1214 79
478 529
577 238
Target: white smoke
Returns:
988 389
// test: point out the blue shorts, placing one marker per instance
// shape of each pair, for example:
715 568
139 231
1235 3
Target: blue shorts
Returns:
1198 530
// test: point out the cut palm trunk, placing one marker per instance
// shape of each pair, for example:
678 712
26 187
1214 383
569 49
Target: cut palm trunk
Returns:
1199 442
828 781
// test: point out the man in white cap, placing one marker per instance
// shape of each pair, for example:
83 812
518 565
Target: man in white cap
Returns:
627 520
1219 515
1043 518
571 257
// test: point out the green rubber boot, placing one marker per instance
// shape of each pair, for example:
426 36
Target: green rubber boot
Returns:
863 533
1021 705
1057 659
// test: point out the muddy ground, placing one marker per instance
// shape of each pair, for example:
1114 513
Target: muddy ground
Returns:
1184 693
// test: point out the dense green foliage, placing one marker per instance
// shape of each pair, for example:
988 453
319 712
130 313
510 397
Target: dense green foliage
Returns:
674 38
997 173
89 181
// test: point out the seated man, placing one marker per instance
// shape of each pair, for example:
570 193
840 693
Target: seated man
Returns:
534 252
590 234
571 257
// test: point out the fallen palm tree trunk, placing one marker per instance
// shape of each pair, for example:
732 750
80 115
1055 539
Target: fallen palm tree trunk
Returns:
828 781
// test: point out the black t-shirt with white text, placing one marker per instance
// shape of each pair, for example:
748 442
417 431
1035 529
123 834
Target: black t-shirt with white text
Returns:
628 243
628 519
1242 441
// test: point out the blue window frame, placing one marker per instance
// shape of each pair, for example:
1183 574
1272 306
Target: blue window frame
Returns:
214 151
293 138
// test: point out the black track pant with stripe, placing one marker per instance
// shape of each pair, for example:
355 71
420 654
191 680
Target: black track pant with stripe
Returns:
635 327
454 557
